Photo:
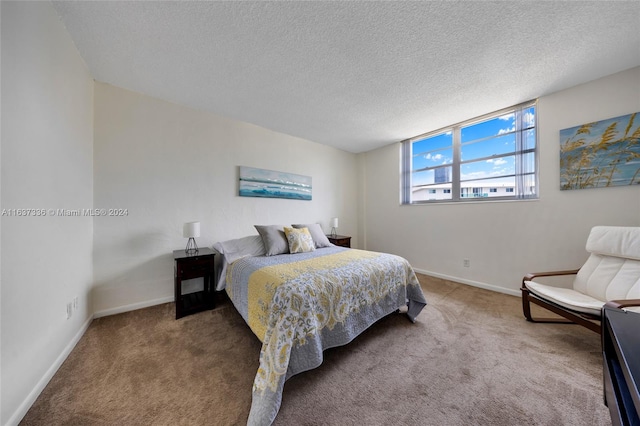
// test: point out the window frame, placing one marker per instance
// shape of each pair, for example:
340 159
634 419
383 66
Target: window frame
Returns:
519 153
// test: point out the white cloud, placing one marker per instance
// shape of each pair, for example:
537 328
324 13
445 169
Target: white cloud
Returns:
529 119
473 175
436 158
497 161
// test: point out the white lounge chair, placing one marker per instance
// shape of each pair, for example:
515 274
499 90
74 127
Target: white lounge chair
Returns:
610 274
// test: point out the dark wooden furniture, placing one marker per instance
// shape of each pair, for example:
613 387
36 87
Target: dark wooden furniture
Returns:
340 240
189 266
621 358
592 322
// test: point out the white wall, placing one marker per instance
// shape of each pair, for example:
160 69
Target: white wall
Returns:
168 164
47 163
505 240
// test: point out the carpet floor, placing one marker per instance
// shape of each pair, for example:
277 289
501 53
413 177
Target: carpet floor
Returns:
470 359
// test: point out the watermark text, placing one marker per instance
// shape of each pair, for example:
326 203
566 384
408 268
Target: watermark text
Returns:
64 212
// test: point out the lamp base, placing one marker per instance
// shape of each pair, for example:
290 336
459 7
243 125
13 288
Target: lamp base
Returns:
333 232
192 247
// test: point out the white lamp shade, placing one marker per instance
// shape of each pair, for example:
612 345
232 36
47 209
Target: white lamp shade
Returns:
334 222
191 229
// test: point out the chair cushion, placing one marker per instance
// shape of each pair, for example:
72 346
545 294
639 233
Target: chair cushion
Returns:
618 241
609 278
566 297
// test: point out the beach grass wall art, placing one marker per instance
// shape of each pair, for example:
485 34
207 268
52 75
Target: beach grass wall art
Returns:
601 154
272 184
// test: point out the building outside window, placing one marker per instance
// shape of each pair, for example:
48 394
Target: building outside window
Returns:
493 157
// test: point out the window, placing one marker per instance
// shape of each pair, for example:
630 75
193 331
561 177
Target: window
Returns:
493 157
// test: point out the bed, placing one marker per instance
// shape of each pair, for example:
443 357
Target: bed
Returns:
301 302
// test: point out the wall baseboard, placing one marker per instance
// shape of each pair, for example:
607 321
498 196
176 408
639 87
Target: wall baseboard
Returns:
132 307
471 283
44 381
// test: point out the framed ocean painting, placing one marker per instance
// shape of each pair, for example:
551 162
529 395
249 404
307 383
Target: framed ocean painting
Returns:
272 184
601 154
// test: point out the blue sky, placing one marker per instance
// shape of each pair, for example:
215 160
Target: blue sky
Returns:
484 139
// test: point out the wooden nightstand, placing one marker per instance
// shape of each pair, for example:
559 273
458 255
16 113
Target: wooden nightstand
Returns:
340 240
188 266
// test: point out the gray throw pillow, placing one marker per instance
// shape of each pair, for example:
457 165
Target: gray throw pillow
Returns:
319 238
273 238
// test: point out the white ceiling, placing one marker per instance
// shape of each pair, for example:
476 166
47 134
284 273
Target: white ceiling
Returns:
353 75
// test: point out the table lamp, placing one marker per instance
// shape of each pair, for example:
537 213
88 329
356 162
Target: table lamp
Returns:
334 226
191 230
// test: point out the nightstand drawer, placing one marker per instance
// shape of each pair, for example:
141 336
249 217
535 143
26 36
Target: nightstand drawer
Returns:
193 268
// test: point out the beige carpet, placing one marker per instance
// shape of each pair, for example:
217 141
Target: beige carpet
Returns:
471 359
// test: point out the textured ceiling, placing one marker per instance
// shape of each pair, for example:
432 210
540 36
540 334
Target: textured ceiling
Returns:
353 75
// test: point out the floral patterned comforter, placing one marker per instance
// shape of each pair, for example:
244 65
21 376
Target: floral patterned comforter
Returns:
301 304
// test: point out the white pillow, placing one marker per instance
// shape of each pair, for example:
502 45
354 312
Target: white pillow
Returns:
319 238
241 247
233 250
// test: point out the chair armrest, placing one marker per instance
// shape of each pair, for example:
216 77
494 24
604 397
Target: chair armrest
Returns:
533 275
619 304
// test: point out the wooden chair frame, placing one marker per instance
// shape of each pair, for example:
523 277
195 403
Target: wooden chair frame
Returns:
590 321
621 304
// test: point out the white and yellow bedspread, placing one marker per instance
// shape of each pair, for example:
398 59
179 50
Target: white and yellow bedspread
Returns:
300 304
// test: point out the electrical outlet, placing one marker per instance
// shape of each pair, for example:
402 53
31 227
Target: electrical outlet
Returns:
466 263
69 310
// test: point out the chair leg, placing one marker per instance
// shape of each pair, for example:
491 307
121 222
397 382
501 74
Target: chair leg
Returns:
526 305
